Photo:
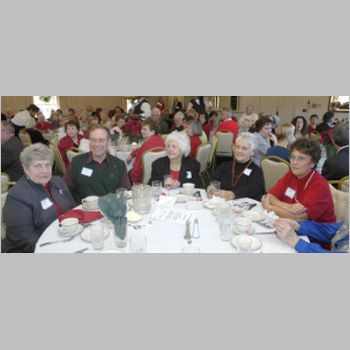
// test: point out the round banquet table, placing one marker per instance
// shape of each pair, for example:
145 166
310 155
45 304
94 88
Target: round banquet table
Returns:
165 237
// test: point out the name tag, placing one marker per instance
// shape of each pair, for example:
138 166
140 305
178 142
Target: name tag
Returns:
247 172
188 175
86 172
290 193
46 203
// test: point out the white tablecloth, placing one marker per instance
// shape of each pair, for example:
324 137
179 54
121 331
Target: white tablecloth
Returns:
165 238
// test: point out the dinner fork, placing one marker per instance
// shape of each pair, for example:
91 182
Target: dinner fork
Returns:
53 242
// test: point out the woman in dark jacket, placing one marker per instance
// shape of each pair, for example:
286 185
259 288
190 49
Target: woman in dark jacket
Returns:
177 164
36 200
240 177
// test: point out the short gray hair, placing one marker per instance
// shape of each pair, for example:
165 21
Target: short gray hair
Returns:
250 138
340 135
180 114
196 127
182 140
157 110
38 151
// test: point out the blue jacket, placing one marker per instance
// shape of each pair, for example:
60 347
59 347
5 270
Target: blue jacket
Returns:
325 233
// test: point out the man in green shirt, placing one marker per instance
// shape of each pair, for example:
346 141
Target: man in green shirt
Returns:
96 173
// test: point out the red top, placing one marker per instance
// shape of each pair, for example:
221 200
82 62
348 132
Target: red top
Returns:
312 192
230 126
310 129
207 129
65 144
195 143
152 142
44 126
175 175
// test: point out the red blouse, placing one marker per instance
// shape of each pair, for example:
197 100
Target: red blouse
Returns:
175 175
312 192
195 143
65 144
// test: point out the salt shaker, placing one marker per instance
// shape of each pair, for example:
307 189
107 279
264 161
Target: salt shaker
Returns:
195 232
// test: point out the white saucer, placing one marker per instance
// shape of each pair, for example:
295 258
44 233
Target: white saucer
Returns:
182 198
87 209
76 232
254 216
85 235
132 216
213 203
236 232
257 244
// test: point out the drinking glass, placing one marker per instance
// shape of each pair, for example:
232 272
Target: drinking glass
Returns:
215 187
156 189
97 236
138 244
120 231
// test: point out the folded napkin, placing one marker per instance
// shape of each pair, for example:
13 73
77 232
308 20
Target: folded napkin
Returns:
115 210
83 216
166 201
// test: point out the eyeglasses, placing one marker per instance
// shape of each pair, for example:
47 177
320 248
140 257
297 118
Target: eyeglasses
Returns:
298 159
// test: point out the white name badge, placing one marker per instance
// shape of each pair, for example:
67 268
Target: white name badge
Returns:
290 193
86 172
247 172
46 203
188 175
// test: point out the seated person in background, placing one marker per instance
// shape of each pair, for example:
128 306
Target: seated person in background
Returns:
72 116
193 129
105 120
336 234
150 134
300 127
178 122
248 119
90 122
208 124
337 166
42 125
156 118
328 120
313 124
177 163
61 131
35 135
97 172
228 124
11 147
241 177
71 140
25 119
36 200
264 138
285 136
302 194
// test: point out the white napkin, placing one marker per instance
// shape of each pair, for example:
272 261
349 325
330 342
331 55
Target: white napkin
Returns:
166 201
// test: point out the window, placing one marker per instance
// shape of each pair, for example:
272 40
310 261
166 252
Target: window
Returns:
339 104
46 104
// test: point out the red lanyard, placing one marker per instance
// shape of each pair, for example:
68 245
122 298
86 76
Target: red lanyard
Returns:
57 207
235 180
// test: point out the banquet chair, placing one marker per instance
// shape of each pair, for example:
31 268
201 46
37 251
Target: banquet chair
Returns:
315 136
25 138
71 154
224 146
273 171
60 167
211 161
341 204
202 156
147 160
342 184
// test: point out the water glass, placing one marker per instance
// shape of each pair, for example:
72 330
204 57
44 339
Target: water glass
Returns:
138 244
156 189
215 187
97 236
120 231
142 198
226 227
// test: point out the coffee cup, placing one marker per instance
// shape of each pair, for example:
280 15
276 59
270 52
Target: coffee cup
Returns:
69 226
90 202
244 243
188 188
243 225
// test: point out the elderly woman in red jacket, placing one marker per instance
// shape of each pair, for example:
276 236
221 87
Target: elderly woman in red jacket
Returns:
150 133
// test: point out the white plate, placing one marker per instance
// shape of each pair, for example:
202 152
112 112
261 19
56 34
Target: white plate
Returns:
87 209
76 232
213 203
254 216
251 232
182 198
132 216
257 244
85 235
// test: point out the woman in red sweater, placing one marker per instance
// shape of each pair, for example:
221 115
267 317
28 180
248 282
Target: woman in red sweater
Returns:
150 133
193 129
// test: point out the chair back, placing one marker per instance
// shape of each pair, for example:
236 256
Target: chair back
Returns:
341 204
147 160
315 136
224 146
203 155
342 184
273 171
71 154
59 163
25 138
214 143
